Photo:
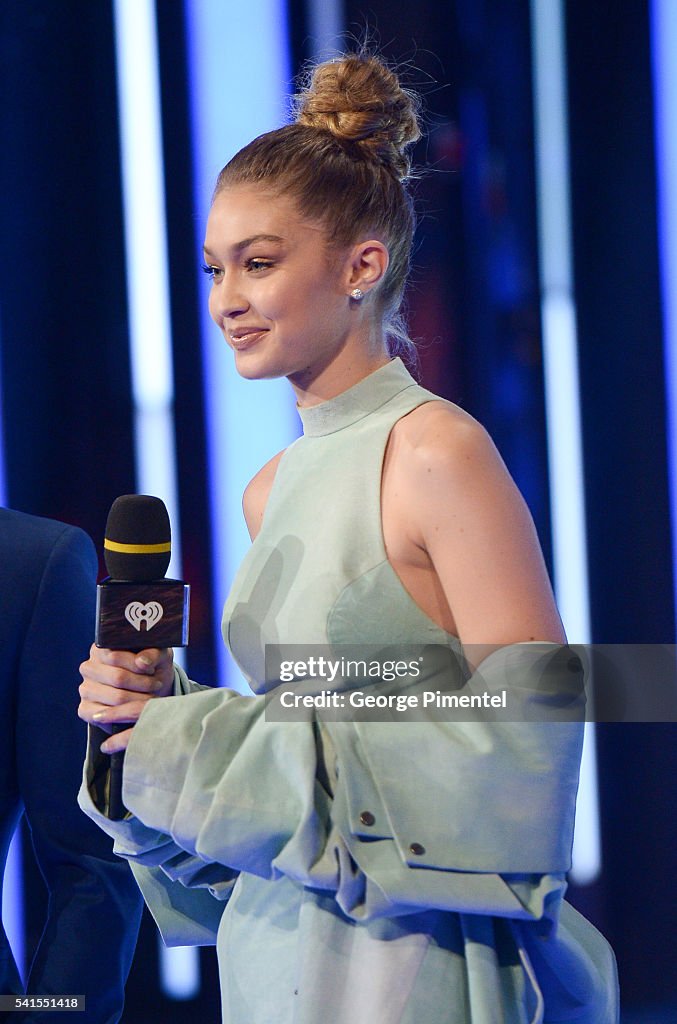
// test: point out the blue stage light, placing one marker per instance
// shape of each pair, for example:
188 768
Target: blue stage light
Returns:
146 255
562 398
663 50
12 888
13 904
150 336
239 80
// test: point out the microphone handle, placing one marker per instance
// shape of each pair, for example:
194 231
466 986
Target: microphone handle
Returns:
116 808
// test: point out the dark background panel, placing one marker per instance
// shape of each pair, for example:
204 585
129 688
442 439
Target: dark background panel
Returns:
613 191
65 370
622 373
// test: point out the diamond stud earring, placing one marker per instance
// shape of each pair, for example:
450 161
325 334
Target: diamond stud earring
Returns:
357 294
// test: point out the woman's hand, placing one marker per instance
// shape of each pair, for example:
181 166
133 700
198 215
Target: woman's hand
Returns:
116 685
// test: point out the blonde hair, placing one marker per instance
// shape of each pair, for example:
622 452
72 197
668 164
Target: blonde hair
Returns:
346 161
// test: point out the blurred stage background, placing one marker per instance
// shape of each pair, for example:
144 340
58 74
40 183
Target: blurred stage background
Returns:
544 294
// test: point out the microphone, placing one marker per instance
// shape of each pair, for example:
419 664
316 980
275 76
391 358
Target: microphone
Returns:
136 607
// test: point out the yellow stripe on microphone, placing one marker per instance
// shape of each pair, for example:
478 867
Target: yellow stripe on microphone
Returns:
137 549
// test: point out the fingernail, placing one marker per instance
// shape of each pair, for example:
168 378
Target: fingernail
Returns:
144 661
99 715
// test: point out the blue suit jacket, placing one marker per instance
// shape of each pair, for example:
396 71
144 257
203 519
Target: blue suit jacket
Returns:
47 600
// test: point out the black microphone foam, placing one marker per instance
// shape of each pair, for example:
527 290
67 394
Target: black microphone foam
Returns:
137 545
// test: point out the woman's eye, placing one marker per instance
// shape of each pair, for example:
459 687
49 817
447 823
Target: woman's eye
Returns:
209 271
257 264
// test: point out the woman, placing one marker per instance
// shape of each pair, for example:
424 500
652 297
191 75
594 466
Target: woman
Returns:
370 871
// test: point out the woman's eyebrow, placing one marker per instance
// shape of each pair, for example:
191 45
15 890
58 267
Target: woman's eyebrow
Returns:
239 246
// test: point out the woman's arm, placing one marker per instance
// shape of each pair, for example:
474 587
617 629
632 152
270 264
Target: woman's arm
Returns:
465 514
184 892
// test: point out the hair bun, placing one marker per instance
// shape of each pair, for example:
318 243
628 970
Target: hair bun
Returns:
360 100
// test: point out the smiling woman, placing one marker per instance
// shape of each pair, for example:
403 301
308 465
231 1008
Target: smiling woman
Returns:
352 856
280 298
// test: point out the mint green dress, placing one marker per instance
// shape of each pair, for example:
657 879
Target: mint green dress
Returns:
357 872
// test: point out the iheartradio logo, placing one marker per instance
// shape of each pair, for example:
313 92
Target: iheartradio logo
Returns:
147 615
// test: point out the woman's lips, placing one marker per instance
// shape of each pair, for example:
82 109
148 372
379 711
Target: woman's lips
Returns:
242 338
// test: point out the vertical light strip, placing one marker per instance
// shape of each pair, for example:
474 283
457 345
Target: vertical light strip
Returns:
326 24
149 317
240 81
663 49
13 904
560 358
146 254
12 883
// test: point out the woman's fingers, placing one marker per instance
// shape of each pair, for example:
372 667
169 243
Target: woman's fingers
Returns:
116 669
159 662
100 713
117 742
150 671
116 685
103 693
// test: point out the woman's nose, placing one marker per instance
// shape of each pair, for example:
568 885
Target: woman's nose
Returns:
227 300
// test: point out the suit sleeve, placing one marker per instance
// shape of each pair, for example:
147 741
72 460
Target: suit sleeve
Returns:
94 904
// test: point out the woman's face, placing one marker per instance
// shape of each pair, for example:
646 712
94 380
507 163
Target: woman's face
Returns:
282 305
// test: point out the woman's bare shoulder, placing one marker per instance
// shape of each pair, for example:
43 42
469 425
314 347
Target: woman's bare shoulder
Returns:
256 493
465 511
442 430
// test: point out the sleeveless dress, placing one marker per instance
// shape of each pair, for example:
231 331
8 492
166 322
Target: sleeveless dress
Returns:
349 872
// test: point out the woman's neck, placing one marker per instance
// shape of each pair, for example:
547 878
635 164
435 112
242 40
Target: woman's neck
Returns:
356 359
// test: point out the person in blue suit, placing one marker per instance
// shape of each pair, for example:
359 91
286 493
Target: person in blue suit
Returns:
47 602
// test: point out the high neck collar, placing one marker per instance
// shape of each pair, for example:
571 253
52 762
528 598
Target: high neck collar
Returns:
352 405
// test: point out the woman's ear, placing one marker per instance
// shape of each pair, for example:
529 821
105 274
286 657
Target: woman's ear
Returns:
366 266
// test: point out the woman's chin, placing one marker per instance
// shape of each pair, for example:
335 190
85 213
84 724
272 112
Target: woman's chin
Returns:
254 366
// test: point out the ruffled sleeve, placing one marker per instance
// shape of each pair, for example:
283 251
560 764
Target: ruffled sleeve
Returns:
392 818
